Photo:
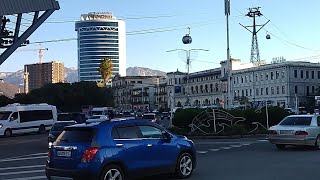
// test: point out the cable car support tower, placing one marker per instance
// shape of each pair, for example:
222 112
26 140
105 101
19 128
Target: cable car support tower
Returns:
255 55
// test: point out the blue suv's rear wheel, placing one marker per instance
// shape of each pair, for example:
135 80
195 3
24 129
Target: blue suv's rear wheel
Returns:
184 167
112 172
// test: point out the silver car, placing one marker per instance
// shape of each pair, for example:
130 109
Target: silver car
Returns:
296 130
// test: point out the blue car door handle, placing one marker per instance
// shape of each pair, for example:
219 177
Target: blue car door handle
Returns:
119 145
149 145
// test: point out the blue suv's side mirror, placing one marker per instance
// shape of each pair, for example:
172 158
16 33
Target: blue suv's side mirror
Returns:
167 135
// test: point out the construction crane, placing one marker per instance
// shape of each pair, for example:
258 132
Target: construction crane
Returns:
26 73
40 50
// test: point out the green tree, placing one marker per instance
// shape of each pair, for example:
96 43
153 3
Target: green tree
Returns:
105 70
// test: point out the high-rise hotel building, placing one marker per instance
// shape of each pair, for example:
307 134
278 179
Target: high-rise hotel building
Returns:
100 35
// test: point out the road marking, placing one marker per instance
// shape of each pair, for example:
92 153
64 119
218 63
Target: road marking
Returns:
29 178
263 140
246 144
28 155
202 152
214 150
21 167
225 148
235 146
20 159
21 172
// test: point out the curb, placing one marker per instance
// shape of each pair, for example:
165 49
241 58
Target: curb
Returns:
229 137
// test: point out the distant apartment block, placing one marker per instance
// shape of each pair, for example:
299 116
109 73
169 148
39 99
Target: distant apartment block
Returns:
37 75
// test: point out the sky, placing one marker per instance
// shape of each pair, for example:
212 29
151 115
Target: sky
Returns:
293 27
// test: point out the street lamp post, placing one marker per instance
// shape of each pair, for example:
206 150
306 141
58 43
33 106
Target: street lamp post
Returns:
229 63
188 67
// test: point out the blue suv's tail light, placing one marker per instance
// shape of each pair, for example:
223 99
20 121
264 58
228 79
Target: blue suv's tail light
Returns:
89 154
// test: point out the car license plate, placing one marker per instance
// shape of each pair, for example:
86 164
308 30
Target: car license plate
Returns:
286 132
64 153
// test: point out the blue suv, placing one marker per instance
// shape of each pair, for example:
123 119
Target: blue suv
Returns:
119 150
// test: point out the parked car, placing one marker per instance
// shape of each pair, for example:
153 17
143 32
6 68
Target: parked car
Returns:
97 118
57 129
151 116
139 114
79 117
296 130
165 115
121 149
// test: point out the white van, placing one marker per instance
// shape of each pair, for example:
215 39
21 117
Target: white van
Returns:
17 118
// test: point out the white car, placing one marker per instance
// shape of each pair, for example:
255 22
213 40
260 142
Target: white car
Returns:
296 130
97 118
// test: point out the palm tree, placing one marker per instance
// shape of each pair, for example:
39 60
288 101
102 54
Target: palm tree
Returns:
105 70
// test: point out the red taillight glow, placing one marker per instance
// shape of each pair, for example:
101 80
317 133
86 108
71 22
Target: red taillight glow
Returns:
89 154
271 132
301 133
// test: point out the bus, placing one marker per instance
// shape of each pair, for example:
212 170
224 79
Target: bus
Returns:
26 118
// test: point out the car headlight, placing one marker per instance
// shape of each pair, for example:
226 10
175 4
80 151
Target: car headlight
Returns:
1 125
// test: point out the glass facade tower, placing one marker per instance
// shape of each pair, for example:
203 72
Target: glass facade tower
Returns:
100 35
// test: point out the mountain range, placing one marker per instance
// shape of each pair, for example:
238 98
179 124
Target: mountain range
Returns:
15 79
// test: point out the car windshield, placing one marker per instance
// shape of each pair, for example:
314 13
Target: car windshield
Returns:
296 121
4 115
149 116
60 126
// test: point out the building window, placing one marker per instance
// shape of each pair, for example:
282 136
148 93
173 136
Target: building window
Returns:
312 74
277 74
282 74
139 82
301 73
312 89
237 80
256 77
261 77
250 92
267 91
241 79
246 79
283 89
179 81
246 92
308 90
278 90
272 90
175 80
295 73
242 93
261 91
271 75
267 76
318 74
295 89
307 74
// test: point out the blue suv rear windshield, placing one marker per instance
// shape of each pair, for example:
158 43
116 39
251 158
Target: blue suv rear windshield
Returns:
75 135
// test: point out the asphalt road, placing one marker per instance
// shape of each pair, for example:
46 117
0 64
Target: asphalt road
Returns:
23 157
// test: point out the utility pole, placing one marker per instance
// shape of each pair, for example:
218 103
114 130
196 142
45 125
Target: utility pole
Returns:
229 63
255 54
